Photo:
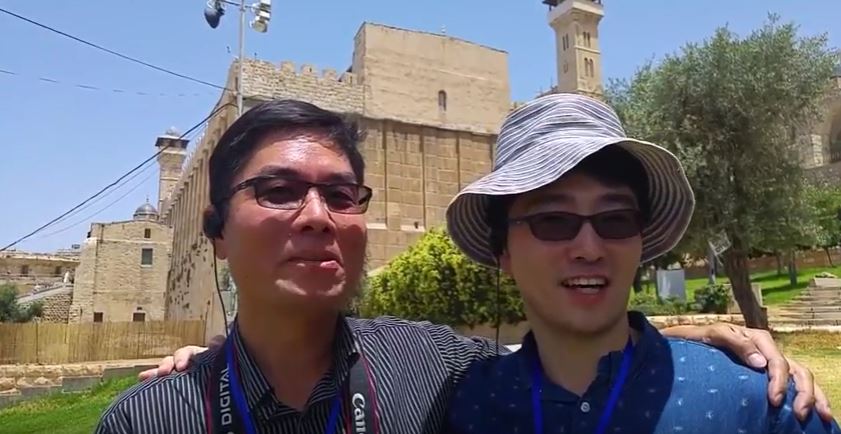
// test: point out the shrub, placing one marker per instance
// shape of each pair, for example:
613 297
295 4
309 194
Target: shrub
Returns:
434 281
713 299
648 303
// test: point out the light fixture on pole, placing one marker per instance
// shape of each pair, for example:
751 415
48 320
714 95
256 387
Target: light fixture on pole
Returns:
262 11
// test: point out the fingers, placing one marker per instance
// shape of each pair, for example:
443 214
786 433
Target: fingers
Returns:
182 357
778 366
740 342
147 374
180 360
804 383
822 404
164 368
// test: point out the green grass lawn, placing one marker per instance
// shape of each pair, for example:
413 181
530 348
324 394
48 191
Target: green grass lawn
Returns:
63 413
821 353
775 289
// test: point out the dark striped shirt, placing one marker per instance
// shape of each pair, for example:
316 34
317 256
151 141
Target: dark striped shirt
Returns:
414 367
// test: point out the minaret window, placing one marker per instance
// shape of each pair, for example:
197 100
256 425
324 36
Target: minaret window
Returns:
442 100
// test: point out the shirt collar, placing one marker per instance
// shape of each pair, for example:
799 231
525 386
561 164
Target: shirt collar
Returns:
259 392
609 365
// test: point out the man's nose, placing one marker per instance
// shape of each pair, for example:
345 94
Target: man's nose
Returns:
587 245
314 215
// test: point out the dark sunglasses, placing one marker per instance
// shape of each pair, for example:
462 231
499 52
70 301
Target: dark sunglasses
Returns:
289 194
564 226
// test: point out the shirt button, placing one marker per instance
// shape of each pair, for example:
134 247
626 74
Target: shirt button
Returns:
585 407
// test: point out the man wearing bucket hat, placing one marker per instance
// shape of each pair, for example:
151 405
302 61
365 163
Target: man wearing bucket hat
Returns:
570 210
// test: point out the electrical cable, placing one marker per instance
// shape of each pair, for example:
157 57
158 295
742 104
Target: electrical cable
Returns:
45 80
88 217
123 56
100 192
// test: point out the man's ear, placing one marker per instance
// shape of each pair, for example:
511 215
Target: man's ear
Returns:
212 226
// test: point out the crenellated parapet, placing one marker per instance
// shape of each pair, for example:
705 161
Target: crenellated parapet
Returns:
326 88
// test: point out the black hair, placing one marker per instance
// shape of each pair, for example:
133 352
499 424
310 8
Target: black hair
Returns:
612 165
236 146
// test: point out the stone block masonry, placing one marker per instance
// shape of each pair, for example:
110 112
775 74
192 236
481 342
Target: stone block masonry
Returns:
265 80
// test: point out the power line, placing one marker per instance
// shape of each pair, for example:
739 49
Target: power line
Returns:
117 187
88 217
122 56
113 190
46 80
150 165
46 225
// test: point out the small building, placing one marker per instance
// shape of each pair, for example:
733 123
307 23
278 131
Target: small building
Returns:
123 269
30 271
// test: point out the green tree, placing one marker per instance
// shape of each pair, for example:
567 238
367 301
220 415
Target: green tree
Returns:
11 311
731 109
825 204
433 280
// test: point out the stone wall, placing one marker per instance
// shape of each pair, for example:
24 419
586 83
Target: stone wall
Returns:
415 171
326 89
805 259
111 279
431 79
56 308
23 382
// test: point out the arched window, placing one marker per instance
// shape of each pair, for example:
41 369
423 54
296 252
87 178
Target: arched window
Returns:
442 100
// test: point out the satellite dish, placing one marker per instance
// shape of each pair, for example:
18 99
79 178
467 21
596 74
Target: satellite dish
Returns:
213 13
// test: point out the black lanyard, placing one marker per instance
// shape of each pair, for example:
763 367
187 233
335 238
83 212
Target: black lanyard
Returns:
227 408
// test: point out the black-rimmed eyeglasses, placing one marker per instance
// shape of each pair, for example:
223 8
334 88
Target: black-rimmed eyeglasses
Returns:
290 194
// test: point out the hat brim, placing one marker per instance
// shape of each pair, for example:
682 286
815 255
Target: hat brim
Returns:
670 194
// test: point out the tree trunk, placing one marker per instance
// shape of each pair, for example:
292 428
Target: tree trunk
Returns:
792 268
828 256
638 281
711 266
736 266
779 264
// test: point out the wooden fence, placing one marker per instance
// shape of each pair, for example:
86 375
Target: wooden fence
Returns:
85 342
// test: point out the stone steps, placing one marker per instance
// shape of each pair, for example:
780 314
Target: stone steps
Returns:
833 316
796 308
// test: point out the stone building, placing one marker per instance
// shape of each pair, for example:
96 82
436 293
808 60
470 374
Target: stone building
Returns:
822 147
38 271
123 270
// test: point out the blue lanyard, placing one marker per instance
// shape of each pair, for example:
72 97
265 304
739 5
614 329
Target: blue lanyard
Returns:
537 388
242 405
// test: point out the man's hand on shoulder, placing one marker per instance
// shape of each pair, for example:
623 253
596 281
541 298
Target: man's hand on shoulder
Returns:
756 348
180 360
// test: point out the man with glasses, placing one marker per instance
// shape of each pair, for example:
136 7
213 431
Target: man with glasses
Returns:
570 210
287 200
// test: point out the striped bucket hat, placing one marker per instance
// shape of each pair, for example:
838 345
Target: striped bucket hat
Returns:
541 141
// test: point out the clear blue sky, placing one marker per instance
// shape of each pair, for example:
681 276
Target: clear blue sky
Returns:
61 143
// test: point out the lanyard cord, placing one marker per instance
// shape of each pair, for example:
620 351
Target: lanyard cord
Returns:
613 398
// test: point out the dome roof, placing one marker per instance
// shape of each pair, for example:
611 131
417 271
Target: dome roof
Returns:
146 212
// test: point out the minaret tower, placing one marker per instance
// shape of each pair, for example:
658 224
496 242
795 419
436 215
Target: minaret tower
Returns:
576 25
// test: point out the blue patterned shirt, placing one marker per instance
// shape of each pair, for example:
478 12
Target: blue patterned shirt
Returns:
673 386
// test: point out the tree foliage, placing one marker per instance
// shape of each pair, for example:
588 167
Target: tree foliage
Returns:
11 311
434 281
732 109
